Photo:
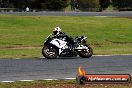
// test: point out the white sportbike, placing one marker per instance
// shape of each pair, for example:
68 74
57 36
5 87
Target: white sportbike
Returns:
54 47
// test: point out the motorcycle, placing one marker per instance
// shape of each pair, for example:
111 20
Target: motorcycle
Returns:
54 47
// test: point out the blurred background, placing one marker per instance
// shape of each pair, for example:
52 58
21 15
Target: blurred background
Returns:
65 5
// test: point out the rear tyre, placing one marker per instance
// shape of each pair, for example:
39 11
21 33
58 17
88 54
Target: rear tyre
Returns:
50 52
86 53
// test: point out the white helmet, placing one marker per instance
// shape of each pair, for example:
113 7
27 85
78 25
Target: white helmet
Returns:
56 30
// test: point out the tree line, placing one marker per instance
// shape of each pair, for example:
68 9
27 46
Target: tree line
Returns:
62 4
104 4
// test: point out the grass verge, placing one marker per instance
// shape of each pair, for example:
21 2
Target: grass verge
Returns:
60 84
23 36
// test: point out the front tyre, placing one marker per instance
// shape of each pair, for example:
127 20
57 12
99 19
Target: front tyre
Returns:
50 52
86 53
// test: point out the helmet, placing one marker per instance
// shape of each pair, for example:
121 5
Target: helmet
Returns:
56 30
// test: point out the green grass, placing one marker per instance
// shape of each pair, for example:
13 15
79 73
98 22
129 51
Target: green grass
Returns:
23 36
41 83
60 84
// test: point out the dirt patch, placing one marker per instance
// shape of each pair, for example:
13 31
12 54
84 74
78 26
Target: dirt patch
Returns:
81 86
16 47
125 17
129 17
97 44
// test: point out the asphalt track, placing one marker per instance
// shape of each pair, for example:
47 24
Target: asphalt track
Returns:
39 69
53 13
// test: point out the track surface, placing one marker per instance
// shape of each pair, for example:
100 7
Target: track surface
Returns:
45 13
39 69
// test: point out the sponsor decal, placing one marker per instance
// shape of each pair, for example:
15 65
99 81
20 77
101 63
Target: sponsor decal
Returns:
83 78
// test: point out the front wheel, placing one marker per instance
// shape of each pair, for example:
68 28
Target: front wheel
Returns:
49 52
86 53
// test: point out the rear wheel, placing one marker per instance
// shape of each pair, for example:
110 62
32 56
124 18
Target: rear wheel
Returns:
50 52
86 53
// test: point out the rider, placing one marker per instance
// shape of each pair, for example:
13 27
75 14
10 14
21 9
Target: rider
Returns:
61 35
